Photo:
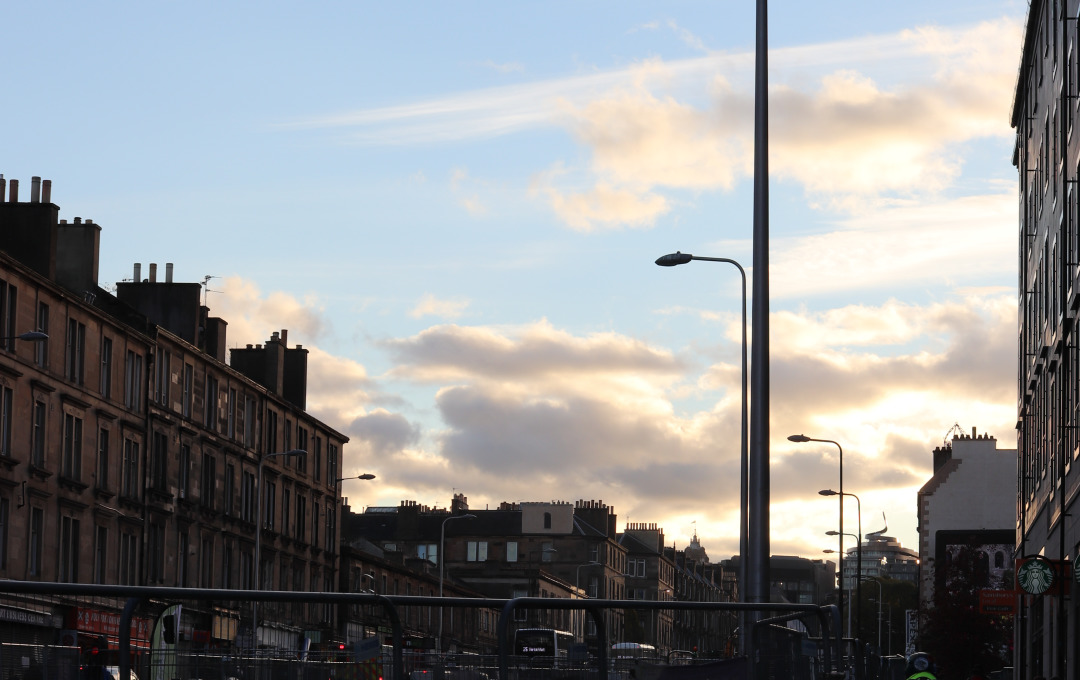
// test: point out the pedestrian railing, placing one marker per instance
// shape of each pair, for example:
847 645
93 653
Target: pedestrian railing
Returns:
785 640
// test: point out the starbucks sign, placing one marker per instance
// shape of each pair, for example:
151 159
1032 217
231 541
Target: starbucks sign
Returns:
1035 576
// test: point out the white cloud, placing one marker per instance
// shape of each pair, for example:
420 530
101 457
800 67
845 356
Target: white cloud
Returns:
429 305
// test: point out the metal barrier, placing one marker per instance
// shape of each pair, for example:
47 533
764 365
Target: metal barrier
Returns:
775 650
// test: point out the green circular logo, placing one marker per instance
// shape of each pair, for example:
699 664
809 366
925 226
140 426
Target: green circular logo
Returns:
1035 577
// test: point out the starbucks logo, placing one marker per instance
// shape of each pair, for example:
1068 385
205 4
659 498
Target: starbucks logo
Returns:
1035 577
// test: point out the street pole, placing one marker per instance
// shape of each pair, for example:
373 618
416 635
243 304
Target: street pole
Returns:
744 448
757 574
442 560
258 538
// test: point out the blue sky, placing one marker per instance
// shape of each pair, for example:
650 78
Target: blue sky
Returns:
456 207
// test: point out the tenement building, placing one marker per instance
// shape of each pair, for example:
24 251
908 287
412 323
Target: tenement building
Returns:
131 452
1047 158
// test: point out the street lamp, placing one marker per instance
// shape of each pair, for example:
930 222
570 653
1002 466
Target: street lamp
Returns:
678 258
858 554
29 336
879 596
258 537
442 560
858 585
365 476
839 556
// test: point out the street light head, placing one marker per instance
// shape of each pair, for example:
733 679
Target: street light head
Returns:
799 438
467 515
674 259
33 336
295 452
366 476
832 533
828 550
828 492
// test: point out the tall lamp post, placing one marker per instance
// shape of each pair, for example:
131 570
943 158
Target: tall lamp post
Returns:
800 439
858 586
879 596
258 537
858 554
678 258
442 561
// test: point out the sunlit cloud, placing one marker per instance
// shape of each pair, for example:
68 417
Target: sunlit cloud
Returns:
429 305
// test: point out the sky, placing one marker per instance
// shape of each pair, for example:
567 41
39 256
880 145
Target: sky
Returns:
456 208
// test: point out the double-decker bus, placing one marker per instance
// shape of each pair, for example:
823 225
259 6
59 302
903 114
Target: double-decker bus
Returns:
542 647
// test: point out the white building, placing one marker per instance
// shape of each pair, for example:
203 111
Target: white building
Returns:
970 500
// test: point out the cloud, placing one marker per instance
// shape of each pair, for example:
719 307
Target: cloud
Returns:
429 305
537 413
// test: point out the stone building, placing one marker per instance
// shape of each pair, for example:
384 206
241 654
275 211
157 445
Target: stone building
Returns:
130 451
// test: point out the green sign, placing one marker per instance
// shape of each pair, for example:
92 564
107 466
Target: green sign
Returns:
1035 576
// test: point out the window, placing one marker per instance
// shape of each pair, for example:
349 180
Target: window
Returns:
72 461
301 517
635 566
101 553
162 376
41 347
128 559
315 522
182 559
547 550
477 551
76 351
103 459
37 529
249 422
286 508
5 522
207 479
37 443
269 501
132 379
6 398
331 529
210 403
302 444
129 471
331 464
8 296
185 469
189 389
230 488
271 440
69 550
159 457
105 379
317 459
247 497
155 553
429 552
246 572
231 415
206 564
511 551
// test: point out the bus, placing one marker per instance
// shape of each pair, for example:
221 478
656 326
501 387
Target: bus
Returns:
627 655
543 647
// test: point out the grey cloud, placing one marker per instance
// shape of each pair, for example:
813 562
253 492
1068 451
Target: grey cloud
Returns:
385 433
483 353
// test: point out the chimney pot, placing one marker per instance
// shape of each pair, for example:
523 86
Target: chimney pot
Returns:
35 189
14 191
168 272
153 272
137 276
78 220
46 191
